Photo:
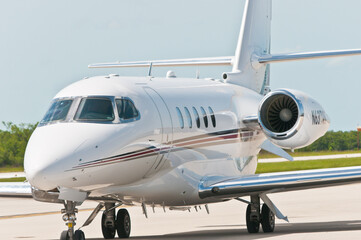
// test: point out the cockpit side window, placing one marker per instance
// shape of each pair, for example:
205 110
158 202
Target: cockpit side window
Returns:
126 109
58 111
95 109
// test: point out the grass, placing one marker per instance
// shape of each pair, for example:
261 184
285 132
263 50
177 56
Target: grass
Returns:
307 165
11 169
303 154
19 179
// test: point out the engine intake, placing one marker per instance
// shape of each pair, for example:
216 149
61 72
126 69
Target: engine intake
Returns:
292 119
280 114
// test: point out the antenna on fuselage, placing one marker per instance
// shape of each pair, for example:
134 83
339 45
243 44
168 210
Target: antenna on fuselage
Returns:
150 69
197 73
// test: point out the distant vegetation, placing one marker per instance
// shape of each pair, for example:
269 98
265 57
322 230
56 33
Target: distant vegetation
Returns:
13 142
334 141
14 138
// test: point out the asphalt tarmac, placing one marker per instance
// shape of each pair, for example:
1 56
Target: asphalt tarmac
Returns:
327 213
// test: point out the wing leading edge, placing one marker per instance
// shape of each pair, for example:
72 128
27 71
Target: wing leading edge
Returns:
279 182
15 189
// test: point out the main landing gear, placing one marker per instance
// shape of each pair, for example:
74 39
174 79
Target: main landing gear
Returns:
255 217
112 223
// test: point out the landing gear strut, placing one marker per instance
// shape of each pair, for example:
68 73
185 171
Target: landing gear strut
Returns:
254 216
69 217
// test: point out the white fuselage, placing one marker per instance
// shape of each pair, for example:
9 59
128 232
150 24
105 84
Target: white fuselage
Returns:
188 130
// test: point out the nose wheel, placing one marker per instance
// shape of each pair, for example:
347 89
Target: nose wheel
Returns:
78 235
70 221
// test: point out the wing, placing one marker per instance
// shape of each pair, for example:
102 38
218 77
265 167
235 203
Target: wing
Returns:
15 189
278 182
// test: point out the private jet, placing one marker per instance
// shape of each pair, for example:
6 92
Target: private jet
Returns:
177 143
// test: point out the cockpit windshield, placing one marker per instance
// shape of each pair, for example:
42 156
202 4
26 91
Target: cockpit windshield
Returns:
126 109
91 109
58 111
95 109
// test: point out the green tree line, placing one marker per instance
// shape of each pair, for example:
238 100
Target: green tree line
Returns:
334 141
13 141
14 138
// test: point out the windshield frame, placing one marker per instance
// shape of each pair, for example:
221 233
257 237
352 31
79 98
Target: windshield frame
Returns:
127 120
84 98
68 114
75 107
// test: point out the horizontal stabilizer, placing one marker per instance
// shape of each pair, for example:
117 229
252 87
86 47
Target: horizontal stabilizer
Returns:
229 60
211 61
272 58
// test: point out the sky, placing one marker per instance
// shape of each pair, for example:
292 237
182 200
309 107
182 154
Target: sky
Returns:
47 45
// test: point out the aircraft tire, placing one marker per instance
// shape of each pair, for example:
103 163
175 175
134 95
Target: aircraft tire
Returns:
252 225
79 235
64 235
123 224
267 219
108 232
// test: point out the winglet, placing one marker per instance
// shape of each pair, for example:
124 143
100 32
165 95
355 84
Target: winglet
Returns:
270 147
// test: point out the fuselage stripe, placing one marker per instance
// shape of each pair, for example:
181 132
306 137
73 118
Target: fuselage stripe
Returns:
222 137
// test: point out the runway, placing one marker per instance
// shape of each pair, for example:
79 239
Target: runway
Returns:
328 213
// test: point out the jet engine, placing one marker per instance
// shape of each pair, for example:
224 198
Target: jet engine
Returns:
292 119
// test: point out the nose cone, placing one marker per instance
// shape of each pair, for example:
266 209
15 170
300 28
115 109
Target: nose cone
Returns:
47 149
56 148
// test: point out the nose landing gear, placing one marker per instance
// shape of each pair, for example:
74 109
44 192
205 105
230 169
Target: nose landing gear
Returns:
69 217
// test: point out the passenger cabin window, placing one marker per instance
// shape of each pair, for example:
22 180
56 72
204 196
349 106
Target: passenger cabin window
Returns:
205 118
189 118
213 118
95 109
126 109
196 115
58 111
180 117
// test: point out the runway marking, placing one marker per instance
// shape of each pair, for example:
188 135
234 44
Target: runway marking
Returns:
38 214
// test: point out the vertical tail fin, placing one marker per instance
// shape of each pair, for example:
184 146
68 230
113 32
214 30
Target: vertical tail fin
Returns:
254 40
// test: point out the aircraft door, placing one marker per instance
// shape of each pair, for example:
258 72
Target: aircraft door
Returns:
166 129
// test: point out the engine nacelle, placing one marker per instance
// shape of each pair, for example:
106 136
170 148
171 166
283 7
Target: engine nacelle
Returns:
292 119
